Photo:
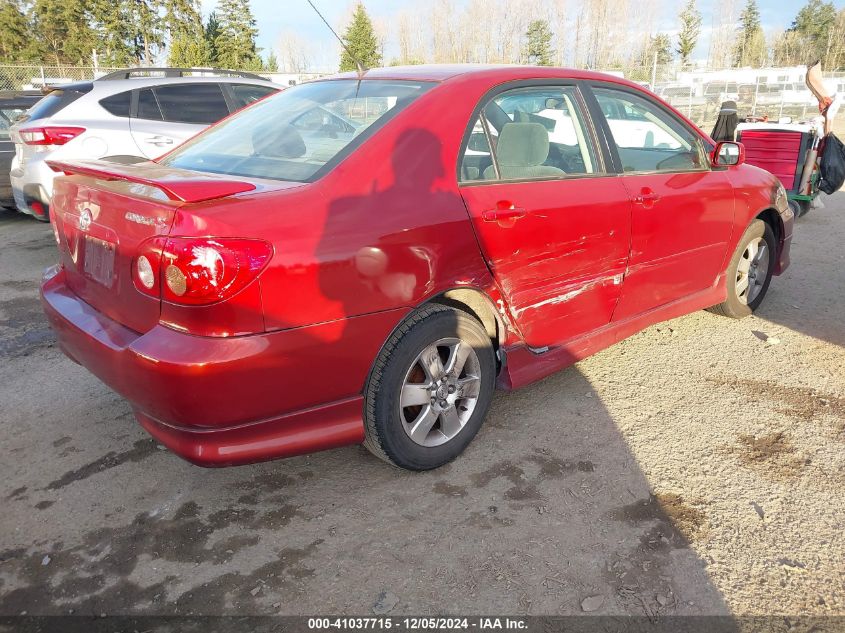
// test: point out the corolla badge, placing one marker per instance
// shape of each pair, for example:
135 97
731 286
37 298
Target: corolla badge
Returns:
143 219
85 220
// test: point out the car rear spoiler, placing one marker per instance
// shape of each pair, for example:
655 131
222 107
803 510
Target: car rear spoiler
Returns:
179 185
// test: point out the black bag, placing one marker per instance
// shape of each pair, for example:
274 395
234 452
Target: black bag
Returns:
832 164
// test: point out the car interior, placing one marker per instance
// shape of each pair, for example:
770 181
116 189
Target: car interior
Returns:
536 133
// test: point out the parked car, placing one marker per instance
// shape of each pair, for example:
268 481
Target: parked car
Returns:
13 103
258 293
137 113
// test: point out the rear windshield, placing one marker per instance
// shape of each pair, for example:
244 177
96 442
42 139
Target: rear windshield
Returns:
54 101
298 134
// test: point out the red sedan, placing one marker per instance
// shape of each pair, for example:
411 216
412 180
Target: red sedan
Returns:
366 259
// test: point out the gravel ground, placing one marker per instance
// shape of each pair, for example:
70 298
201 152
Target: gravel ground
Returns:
696 468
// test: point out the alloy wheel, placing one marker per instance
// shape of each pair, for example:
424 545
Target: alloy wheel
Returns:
440 392
753 270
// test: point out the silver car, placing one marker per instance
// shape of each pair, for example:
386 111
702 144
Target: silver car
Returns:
127 116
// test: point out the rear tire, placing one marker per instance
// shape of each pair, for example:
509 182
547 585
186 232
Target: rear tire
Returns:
430 389
749 272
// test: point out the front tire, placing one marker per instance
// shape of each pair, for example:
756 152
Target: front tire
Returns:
750 271
430 389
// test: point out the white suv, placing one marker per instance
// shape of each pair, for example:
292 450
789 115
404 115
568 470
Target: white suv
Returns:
129 115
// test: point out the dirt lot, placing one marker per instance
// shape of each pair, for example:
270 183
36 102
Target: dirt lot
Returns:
696 468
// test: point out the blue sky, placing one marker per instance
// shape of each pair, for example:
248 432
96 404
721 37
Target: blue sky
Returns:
277 16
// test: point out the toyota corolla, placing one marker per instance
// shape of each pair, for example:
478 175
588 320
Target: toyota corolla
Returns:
364 259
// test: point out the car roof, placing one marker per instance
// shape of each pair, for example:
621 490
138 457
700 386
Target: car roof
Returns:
494 72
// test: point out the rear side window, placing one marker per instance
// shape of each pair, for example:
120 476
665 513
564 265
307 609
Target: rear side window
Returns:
536 133
54 101
244 94
199 103
148 106
118 104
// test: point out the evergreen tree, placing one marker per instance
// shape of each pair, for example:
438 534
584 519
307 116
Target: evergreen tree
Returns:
750 49
539 49
64 35
146 29
690 18
235 42
212 31
814 25
188 46
15 36
360 38
114 42
272 63
660 45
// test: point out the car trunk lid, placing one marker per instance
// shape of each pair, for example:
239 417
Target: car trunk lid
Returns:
106 211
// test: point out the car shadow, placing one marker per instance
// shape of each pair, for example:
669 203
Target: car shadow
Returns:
807 297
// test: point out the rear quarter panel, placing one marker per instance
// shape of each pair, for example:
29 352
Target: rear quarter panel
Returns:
385 229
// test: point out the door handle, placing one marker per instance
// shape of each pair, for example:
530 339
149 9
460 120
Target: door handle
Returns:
646 197
504 211
159 140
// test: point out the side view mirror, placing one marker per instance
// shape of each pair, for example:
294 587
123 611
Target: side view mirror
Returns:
728 154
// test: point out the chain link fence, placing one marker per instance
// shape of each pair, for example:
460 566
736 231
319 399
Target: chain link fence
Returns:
774 93
34 77
765 93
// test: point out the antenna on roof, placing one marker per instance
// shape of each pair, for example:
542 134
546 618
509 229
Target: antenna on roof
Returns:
358 63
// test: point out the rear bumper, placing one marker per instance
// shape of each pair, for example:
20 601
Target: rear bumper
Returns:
223 401
32 183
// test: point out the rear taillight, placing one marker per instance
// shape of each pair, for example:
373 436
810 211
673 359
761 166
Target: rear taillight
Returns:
198 270
50 135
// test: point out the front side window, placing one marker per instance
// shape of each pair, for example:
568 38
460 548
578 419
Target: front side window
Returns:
197 103
647 138
535 133
298 132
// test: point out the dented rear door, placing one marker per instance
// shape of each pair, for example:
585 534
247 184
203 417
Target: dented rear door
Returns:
560 257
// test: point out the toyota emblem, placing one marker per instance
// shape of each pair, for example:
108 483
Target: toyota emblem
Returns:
85 220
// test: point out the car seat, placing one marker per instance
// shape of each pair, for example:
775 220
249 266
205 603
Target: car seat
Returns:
521 151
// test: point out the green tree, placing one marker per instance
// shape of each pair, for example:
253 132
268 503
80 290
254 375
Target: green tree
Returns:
113 32
188 46
272 63
538 49
15 38
814 26
660 45
690 29
64 33
146 29
235 42
750 48
361 41
212 31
